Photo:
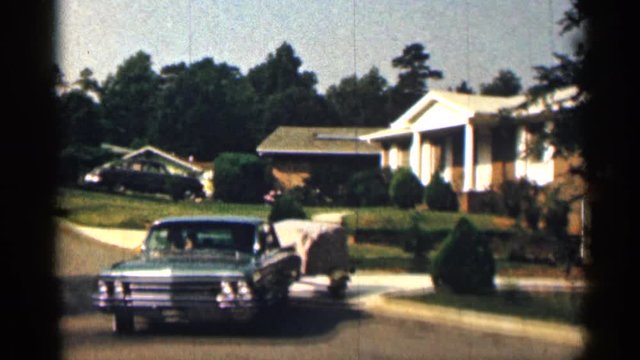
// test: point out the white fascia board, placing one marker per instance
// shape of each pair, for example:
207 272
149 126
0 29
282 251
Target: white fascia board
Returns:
162 154
309 152
413 111
441 116
454 106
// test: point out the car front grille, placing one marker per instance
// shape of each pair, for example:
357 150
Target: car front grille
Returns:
141 291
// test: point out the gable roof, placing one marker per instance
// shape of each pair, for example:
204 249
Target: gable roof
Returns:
319 141
468 106
171 157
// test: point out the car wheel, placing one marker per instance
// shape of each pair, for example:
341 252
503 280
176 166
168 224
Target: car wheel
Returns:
123 323
338 288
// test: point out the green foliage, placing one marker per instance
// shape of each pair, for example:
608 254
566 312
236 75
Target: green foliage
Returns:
368 188
129 100
205 109
463 88
507 83
285 95
240 177
464 262
439 195
329 179
520 199
361 102
286 207
405 188
80 119
413 76
76 160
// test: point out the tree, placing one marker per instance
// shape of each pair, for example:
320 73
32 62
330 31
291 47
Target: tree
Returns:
507 83
203 110
463 88
80 120
241 177
413 76
360 102
129 100
87 83
286 96
603 70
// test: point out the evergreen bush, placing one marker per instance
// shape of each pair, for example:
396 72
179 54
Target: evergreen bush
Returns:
464 262
241 177
286 207
439 195
405 188
367 188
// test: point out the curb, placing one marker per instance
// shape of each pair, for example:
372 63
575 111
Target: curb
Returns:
473 320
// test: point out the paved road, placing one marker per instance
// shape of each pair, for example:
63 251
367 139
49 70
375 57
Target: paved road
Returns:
312 328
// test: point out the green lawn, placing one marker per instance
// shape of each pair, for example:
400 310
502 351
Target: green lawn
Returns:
101 209
561 307
390 219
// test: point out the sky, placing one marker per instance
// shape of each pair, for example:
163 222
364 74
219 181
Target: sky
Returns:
468 39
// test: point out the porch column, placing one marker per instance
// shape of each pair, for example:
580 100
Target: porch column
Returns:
426 165
384 157
467 183
415 154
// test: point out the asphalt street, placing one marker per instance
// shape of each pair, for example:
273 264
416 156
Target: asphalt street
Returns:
313 326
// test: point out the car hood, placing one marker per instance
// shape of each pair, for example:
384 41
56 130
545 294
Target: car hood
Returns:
223 264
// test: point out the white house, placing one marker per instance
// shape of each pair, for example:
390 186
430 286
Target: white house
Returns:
467 139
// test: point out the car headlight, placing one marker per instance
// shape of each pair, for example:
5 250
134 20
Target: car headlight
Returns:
120 289
105 287
92 178
244 291
226 292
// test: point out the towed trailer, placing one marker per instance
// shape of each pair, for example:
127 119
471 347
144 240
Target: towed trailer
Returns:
322 248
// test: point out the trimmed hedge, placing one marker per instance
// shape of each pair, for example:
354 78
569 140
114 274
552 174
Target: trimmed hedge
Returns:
439 195
286 207
464 262
367 188
405 189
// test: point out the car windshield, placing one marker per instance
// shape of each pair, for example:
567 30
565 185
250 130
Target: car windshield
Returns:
201 236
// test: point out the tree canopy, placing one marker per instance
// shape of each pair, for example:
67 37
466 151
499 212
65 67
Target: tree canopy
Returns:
506 83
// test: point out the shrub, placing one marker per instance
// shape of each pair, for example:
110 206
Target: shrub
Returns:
286 207
520 199
329 179
241 177
367 188
405 189
464 262
439 195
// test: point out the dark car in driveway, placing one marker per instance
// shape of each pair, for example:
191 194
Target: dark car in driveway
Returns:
146 176
199 268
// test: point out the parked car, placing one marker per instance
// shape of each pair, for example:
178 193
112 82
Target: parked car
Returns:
199 268
144 176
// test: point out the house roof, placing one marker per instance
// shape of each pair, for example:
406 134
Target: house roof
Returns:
318 140
171 157
465 107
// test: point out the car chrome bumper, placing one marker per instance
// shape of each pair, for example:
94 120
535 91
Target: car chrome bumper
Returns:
191 309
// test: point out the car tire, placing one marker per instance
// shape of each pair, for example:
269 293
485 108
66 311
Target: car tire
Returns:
338 288
123 323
